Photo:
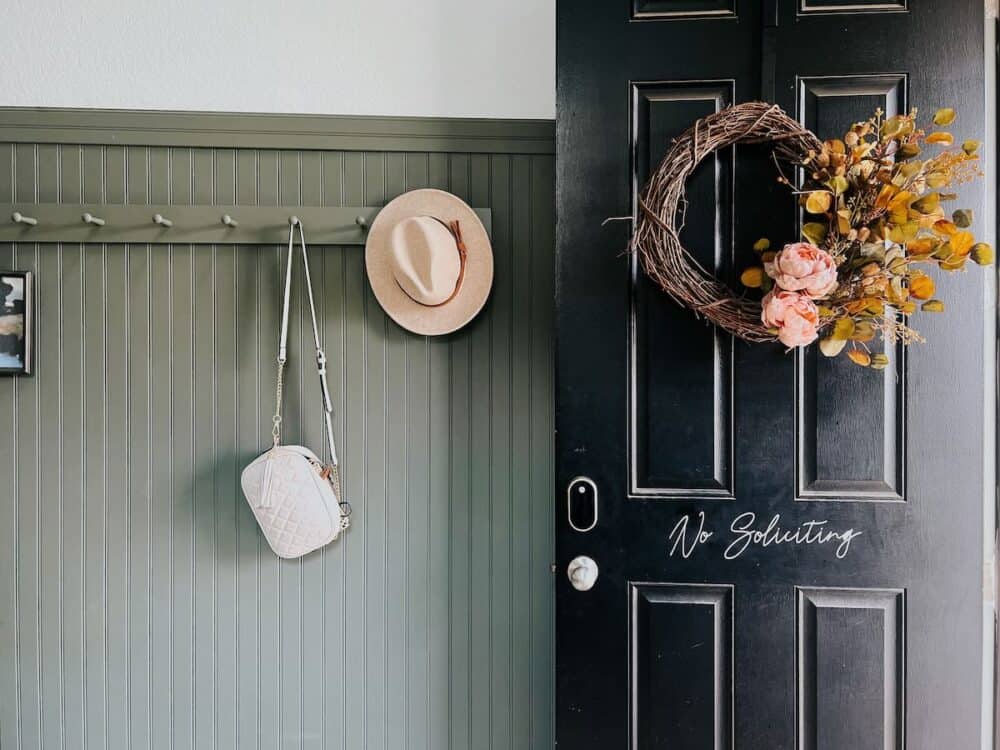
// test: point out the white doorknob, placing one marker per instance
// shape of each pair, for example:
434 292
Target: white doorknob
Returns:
582 573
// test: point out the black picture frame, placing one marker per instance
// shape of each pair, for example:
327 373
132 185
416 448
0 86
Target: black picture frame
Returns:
16 322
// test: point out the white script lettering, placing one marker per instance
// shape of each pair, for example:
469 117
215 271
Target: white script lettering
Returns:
679 536
747 533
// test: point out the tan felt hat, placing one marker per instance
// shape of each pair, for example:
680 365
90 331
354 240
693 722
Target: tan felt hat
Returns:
429 261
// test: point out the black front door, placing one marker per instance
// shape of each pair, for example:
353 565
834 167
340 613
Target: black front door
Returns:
714 622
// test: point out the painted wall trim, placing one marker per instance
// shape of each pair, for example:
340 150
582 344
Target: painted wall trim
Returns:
275 131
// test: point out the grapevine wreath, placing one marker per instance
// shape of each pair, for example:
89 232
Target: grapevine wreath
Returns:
873 216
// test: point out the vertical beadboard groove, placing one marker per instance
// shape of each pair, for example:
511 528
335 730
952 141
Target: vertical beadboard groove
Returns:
139 606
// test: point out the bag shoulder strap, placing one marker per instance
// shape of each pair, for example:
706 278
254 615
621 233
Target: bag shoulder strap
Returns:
320 355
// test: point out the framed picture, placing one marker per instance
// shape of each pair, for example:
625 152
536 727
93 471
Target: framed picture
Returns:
15 322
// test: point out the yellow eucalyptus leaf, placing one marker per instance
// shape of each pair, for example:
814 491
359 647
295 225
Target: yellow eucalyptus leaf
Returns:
863 331
818 202
937 180
941 137
814 232
933 305
844 220
859 357
824 311
862 151
897 294
838 184
944 117
922 287
893 127
752 277
842 329
899 206
908 307
902 198
832 347
982 253
970 147
909 150
943 251
928 204
955 264
885 195
762 244
876 308
962 242
879 361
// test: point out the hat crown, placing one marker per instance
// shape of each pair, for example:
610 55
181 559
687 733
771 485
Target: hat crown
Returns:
425 260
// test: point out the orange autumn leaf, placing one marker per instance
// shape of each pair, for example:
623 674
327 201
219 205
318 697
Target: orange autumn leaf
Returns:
902 198
945 228
922 287
752 277
961 243
859 357
920 246
818 201
871 269
941 137
857 305
885 195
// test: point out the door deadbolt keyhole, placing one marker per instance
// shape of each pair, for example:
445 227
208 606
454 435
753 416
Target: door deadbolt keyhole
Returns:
582 573
581 504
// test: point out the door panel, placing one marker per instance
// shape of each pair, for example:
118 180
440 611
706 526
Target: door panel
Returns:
789 546
681 662
693 363
682 9
870 465
850 663
844 6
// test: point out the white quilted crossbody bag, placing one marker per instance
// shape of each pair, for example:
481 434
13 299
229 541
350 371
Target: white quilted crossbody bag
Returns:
296 500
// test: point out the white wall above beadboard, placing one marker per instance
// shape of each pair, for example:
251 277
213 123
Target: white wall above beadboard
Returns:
441 58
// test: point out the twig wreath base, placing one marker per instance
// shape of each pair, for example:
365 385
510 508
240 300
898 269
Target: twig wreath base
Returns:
656 238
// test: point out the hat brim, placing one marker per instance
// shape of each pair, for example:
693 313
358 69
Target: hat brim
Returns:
476 283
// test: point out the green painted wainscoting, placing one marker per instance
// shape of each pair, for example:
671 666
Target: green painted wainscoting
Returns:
139 605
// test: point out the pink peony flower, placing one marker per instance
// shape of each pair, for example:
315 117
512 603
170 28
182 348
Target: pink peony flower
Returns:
793 314
803 267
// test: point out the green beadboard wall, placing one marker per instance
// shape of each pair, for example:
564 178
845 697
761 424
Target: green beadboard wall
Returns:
139 605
